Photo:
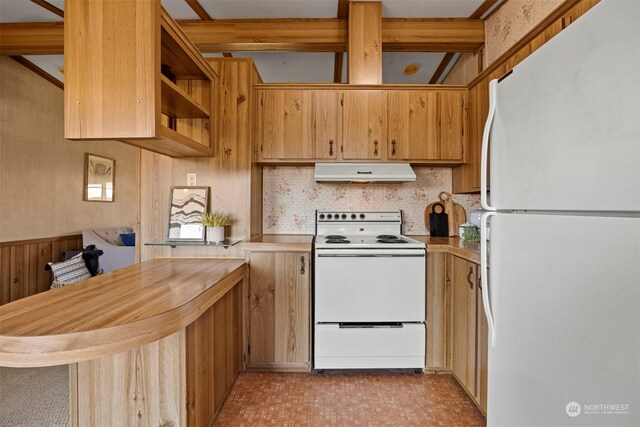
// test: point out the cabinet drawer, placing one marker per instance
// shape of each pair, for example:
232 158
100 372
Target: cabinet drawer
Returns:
337 347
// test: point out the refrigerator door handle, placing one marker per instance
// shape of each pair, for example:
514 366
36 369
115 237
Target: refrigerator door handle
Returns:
493 84
485 276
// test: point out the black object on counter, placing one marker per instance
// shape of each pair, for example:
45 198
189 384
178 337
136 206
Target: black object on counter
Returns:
438 221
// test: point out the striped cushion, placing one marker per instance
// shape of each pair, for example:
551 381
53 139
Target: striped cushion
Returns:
70 271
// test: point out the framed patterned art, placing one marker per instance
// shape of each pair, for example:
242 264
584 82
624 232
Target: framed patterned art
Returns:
186 207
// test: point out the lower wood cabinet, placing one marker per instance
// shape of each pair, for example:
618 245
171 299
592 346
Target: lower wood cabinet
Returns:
482 348
463 322
279 311
457 337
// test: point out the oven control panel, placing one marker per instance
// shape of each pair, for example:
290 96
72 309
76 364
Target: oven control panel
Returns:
336 216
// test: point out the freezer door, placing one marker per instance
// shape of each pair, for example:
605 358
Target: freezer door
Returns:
566 130
565 297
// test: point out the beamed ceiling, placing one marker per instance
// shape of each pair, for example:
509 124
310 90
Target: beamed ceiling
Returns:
285 66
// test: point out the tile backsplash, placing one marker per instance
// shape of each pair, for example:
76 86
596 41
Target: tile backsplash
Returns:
291 197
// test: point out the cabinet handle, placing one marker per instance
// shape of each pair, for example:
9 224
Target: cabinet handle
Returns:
479 283
469 277
302 265
331 147
393 147
375 150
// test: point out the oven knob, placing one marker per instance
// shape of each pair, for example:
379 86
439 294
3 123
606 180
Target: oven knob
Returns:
361 216
329 216
321 216
344 216
353 216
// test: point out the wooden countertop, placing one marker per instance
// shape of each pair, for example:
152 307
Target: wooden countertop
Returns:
279 243
113 312
453 245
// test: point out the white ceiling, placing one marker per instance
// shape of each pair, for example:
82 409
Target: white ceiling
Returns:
25 11
280 67
49 63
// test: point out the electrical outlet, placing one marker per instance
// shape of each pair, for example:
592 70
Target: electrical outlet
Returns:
191 180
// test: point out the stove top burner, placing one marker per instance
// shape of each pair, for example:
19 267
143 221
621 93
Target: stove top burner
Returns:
335 237
387 237
394 240
337 241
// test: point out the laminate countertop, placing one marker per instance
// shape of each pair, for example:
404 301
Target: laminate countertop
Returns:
303 243
279 243
113 312
453 245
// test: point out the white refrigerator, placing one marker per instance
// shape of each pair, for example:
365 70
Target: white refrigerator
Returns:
561 238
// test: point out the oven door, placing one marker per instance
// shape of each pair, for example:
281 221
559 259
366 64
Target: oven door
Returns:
370 285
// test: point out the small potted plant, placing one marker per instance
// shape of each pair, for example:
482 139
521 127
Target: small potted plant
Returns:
215 223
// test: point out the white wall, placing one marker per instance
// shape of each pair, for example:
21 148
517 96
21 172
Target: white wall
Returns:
42 174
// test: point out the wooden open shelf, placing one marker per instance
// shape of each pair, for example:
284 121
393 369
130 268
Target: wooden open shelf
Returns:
166 76
177 103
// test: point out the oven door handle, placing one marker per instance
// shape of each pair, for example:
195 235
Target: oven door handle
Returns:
372 256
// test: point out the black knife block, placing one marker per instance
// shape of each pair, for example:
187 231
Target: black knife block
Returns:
438 221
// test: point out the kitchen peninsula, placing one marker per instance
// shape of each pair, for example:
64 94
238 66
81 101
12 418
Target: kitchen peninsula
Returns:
166 332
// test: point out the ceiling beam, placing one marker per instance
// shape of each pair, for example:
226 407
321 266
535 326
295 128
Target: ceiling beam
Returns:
203 14
32 38
477 14
343 13
365 42
49 7
443 66
300 35
39 71
199 10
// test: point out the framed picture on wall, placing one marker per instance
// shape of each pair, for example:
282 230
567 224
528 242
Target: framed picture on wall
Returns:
186 206
99 178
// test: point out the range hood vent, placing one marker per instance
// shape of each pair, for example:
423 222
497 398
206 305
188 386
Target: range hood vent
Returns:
364 172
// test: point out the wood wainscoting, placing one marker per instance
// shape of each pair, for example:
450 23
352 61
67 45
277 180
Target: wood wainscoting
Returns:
22 264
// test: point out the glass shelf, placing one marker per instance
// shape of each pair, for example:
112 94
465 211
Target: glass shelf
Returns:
225 243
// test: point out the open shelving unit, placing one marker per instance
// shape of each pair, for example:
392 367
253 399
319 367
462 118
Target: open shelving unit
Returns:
162 95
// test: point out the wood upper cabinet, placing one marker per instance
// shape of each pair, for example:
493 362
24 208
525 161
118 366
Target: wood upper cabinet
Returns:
413 125
463 322
279 311
299 124
327 123
306 125
149 86
451 109
426 125
364 133
286 124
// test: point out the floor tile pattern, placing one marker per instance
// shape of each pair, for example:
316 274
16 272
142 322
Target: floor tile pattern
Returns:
348 398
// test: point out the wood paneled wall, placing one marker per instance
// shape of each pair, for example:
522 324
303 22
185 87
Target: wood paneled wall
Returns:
22 265
235 183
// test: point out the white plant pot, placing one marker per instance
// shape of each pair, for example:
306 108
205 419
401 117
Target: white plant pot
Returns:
215 234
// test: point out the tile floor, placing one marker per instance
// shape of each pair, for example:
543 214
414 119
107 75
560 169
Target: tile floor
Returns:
348 398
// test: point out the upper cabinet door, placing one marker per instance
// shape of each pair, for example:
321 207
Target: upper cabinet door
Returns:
286 124
327 123
413 125
452 124
365 125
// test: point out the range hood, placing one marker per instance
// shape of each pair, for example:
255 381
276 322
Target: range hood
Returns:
364 172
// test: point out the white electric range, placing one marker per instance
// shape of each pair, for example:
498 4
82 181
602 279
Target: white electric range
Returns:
369 292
